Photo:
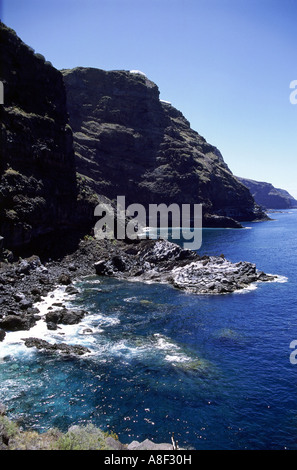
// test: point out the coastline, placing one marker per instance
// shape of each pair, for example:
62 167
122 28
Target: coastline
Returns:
88 437
26 284
38 297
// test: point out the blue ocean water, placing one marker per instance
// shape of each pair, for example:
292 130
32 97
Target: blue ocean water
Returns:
215 370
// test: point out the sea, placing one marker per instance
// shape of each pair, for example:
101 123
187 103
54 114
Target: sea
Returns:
218 371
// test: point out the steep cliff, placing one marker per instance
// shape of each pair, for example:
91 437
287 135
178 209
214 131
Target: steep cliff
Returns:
267 196
128 142
38 188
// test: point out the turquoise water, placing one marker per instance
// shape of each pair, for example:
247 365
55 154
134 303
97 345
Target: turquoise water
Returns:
215 370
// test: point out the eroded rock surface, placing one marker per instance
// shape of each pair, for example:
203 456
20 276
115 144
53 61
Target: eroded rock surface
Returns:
128 142
166 262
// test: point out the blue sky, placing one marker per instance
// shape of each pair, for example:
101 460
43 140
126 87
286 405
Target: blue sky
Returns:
226 64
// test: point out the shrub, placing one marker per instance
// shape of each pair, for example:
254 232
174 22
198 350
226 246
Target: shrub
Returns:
7 427
82 438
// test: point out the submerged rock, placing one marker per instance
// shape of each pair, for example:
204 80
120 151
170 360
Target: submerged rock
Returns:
198 365
227 336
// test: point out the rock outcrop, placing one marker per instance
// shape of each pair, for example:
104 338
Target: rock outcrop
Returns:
267 196
63 316
24 283
165 262
128 142
63 348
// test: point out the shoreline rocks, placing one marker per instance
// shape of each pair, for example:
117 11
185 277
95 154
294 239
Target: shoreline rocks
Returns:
165 262
63 316
60 347
24 283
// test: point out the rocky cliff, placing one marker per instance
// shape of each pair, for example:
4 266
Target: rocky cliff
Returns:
267 196
38 189
128 142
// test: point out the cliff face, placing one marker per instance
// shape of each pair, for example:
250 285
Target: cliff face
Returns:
269 197
37 167
128 142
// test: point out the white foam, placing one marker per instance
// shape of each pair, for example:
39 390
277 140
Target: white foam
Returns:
13 344
163 343
254 285
56 296
93 281
173 353
176 358
130 299
247 289
280 279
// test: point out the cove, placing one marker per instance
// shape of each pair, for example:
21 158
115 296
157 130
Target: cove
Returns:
215 370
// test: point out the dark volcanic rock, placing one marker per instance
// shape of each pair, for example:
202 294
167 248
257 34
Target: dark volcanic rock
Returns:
65 317
166 262
128 142
64 279
57 347
17 322
38 189
145 261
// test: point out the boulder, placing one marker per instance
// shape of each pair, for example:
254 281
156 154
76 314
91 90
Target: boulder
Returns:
64 317
64 279
17 322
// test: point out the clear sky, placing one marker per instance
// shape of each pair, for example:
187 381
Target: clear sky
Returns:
226 64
